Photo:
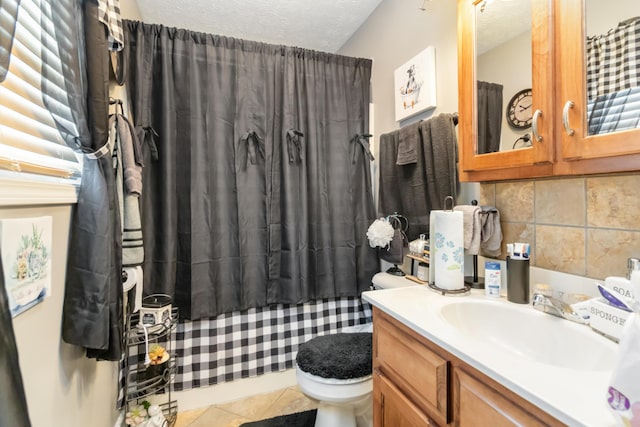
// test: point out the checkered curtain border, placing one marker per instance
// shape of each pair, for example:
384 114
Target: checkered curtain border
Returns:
257 341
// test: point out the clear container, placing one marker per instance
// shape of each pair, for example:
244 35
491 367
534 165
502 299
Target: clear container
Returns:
417 247
423 272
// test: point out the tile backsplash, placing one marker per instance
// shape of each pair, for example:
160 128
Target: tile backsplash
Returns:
587 226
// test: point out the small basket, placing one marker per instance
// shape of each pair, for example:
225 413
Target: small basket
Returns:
155 310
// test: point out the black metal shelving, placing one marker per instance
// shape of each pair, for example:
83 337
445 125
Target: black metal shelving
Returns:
139 383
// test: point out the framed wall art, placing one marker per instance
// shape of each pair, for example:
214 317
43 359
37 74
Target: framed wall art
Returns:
26 260
415 85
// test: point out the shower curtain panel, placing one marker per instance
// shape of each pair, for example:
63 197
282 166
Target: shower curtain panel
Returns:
257 188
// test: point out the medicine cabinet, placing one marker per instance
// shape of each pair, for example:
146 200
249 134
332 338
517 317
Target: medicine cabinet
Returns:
568 105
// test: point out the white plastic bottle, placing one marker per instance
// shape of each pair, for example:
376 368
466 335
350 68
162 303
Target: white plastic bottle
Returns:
492 279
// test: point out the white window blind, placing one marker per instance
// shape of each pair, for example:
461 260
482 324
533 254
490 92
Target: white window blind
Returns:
31 146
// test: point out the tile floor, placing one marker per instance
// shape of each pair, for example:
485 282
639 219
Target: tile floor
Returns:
254 408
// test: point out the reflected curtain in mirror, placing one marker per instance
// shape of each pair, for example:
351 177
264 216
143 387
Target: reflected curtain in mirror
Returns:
489 117
613 78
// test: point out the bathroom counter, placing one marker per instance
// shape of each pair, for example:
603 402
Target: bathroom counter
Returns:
573 396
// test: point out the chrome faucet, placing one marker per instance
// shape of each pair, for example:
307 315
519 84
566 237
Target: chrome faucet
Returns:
556 307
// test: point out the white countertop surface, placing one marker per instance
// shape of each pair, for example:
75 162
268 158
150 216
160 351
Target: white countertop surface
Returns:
575 397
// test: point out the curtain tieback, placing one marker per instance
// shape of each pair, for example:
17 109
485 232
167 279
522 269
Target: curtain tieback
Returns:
96 154
149 135
294 145
258 147
363 140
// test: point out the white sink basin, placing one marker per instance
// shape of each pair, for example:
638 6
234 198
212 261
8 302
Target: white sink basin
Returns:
531 334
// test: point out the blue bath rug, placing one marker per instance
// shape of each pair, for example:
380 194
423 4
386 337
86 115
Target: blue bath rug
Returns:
299 419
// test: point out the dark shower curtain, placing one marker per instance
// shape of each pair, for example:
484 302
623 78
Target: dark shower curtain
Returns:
489 117
255 191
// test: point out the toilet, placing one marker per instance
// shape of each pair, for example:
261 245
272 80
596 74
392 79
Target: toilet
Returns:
336 370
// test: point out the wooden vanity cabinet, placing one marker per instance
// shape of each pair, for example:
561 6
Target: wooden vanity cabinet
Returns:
558 76
416 383
411 377
479 401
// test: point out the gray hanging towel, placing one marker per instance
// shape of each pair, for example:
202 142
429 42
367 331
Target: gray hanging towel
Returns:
403 188
408 140
440 156
128 170
491 236
394 252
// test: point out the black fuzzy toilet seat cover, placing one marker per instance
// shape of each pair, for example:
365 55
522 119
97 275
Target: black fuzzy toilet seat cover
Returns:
340 356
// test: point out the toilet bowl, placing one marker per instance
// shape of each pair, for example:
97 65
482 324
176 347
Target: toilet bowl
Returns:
336 371
344 403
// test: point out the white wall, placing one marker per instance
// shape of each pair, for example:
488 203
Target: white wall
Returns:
63 387
129 10
394 33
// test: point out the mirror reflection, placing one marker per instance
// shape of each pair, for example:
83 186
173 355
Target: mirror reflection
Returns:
503 72
612 52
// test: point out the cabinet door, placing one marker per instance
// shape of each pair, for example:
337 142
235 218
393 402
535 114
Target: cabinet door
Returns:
392 408
414 368
478 404
600 84
521 61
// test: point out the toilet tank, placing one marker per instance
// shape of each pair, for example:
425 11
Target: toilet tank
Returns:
384 280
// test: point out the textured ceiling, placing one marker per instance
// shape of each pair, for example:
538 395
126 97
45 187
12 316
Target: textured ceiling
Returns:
323 25
501 20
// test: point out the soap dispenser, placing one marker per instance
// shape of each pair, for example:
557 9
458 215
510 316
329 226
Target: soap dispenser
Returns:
633 265
622 285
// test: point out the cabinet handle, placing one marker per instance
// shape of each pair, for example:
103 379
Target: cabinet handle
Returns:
565 118
534 125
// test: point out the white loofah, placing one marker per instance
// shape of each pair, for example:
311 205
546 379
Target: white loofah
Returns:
380 233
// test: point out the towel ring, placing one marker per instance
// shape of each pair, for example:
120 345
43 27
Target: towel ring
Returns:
396 220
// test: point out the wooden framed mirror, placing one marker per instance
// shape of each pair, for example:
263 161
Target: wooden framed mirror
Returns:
505 46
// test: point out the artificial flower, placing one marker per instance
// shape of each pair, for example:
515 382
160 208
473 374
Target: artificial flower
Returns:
136 416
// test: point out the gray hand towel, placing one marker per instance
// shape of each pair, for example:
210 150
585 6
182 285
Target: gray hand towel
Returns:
408 140
491 237
472 228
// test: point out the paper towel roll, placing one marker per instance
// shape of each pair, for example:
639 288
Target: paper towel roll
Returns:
446 237
133 279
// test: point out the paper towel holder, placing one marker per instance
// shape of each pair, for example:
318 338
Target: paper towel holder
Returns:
444 205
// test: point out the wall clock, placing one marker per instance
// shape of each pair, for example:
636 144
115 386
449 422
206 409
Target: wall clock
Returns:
520 109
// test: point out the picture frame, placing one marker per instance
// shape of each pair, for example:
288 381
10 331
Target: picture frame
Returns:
415 85
26 246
